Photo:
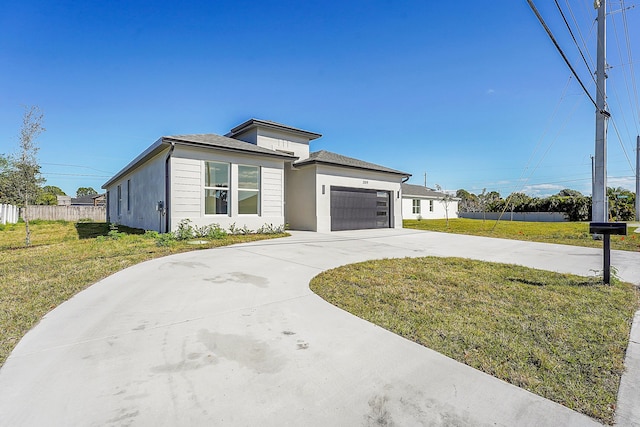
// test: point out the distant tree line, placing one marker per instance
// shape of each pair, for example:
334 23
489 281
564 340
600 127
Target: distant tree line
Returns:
572 203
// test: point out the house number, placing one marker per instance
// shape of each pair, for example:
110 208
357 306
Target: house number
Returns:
365 182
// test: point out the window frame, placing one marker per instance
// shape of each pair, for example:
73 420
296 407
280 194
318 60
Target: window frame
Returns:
416 208
119 200
206 187
257 190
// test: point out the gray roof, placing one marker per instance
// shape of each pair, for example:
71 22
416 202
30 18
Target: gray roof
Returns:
217 141
198 140
419 190
251 123
329 158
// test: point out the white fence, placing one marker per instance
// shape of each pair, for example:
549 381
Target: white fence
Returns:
8 214
517 216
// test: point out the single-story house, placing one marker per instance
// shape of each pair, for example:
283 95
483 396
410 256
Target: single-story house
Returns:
419 202
93 200
259 173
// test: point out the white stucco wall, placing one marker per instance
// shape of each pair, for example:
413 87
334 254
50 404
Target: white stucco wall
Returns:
147 189
354 178
439 210
187 188
277 140
283 141
300 200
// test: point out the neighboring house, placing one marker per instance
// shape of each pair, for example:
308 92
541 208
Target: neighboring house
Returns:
91 200
64 200
260 173
420 202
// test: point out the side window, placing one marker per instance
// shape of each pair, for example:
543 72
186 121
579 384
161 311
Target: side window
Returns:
216 188
119 200
248 190
416 206
430 205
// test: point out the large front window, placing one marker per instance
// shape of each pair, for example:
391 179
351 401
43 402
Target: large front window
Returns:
248 189
216 188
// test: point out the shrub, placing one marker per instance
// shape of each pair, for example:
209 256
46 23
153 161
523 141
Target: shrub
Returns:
185 230
214 231
271 229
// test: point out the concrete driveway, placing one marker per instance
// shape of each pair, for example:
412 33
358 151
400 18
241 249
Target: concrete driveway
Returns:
234 336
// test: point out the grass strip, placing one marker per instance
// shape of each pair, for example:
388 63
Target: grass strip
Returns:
564 233
560 336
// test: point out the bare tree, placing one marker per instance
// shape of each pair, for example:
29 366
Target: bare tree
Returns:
26 177
446 201
483 203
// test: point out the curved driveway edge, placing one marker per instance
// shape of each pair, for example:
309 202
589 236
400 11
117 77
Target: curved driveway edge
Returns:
234 336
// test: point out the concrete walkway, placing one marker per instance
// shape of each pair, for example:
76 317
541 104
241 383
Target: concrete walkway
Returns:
234 336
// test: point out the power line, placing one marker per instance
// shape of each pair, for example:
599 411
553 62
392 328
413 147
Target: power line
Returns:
566 23
75 174
566 60
76 166
575 22
633 80
626 80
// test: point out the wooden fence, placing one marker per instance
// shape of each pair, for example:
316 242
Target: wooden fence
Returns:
67 213
8 214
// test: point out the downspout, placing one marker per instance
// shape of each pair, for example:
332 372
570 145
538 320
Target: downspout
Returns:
167 187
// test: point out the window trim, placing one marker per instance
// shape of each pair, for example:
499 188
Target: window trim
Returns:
256 190
416 208
216 188
119 200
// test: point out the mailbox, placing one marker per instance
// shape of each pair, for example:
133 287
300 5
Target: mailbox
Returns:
618 228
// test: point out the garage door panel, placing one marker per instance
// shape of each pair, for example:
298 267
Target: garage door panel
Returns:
355 208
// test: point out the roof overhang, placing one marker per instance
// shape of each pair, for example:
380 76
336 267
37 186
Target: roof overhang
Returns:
307 162
165 142
255 123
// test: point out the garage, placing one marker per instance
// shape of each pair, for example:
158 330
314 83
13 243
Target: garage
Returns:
358 208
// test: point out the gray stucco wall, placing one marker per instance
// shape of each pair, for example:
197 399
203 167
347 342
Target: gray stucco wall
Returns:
141 190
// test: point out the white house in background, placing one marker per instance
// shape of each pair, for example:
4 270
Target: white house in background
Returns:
420 202
260 173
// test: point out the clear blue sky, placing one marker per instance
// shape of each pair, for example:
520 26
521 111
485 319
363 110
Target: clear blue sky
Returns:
470 92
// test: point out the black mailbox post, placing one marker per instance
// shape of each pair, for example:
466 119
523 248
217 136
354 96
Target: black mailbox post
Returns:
607 229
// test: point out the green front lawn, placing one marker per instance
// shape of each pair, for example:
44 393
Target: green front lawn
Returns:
566 233
561 336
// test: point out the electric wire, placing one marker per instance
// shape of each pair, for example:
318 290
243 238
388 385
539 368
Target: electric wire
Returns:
566 60
624 150
631 71
566 23
524 183
626 80
584 43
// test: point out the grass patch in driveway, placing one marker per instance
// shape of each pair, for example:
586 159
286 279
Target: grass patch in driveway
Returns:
66 258
564 233
560 336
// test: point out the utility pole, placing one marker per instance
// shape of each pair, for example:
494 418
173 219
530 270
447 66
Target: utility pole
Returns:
599 207
638 178
425 179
